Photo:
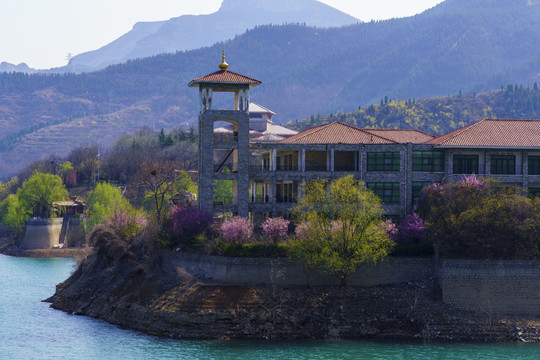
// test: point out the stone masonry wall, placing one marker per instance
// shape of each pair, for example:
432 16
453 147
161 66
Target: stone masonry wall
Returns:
281 272
43 236
508 287
491 287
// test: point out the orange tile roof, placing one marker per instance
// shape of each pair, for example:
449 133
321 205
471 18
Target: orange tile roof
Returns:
337 133
494 133
225 77
403 136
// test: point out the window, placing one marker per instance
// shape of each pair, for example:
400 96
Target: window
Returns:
534 192
428 161
417 187
534 165
465 164
285 162
383 161
388 192
503 164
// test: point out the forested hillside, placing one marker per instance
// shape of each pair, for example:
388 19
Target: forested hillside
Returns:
460 45
438 115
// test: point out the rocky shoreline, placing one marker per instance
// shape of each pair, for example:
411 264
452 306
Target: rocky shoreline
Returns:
144 292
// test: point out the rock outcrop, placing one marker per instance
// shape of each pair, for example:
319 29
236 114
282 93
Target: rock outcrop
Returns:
135 286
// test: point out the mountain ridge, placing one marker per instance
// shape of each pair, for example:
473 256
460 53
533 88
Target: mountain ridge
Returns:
188 32
469 46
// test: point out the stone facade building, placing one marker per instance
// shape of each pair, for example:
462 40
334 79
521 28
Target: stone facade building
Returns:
267 176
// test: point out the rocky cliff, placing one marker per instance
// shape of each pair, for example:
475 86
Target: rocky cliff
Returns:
135 286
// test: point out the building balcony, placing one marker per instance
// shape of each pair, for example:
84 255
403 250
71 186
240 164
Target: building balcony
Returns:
287 168
315 167
259 199
286 199
259 167
225 200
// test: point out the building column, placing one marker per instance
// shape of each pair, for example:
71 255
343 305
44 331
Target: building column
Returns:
449 165
332 159
243 164
525 170
210 94
303 161
487 159
408 175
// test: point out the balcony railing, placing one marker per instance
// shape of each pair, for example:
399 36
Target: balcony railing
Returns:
225 200
286 198
287 168
315 167
259 199
344 168
259 167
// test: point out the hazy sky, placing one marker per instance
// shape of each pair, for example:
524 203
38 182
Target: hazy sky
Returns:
42 32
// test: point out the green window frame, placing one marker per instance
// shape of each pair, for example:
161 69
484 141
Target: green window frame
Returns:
465 164
387 191
534 165
383 161
432 161
503 164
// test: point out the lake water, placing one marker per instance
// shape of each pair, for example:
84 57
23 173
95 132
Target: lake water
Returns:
29 329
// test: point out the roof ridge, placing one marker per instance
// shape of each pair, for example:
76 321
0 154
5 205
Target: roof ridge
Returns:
313 130
372 134
457 132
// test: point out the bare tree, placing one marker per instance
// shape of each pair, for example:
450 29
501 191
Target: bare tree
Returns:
157 179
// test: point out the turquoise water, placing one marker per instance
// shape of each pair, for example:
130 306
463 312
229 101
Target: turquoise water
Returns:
29 329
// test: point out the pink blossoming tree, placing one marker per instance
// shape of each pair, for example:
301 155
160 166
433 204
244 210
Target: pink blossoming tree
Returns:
236 230
276 229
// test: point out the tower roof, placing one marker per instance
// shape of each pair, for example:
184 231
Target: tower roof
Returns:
224 76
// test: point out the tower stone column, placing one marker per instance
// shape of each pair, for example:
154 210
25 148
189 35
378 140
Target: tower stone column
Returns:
236 145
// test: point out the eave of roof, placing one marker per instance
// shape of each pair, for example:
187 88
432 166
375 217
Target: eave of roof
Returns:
225 77
256 108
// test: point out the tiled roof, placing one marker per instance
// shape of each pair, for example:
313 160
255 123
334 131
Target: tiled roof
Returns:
494 133
268 138
337 133
256 108
225 77
279 130
403 136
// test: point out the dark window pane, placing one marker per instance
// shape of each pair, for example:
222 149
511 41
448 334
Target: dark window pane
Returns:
534 165
388 192
465 164
383 161
503 164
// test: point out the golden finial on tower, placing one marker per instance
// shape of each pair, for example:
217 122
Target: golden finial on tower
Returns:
223 66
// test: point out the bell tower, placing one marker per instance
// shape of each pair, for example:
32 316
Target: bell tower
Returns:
230 149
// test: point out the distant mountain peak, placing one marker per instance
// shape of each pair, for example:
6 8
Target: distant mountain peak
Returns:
189 32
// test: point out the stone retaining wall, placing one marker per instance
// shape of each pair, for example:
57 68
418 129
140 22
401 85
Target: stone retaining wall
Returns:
281 272
508 287
42 236
491 287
